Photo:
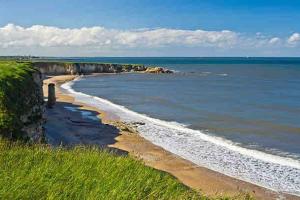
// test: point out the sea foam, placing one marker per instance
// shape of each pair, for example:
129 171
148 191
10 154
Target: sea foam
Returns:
271 171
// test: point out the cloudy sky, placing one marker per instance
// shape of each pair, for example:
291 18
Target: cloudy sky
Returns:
150 28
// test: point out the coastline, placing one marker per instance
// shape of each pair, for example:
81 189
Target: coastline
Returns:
211 183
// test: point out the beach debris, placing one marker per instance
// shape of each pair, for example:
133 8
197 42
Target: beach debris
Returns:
126 127
138 123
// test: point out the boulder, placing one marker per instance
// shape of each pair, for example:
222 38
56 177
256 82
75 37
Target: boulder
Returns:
157 70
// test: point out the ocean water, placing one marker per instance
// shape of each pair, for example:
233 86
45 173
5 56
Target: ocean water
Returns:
237 116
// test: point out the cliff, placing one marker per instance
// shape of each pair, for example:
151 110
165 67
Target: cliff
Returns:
21 94
21 102
62 68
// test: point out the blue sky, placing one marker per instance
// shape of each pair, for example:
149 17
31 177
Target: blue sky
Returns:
248 19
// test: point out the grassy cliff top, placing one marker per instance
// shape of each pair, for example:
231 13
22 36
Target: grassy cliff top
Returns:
12 69
16 86
59 61
83 62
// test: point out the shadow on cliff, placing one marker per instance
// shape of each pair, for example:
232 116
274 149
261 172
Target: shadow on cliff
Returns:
68 125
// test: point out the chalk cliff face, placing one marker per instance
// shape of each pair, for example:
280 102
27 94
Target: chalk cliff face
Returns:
56 68
32 119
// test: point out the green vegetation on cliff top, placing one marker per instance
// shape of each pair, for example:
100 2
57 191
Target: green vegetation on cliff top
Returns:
16 85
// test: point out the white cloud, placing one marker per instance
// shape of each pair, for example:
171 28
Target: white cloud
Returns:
294 39
274 40
100 41
45 36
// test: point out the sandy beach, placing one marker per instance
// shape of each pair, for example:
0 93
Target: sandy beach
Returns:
71 122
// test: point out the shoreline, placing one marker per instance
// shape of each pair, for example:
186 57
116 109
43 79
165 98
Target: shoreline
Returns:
211 183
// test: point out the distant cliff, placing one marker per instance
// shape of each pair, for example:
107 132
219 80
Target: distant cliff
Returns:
64 68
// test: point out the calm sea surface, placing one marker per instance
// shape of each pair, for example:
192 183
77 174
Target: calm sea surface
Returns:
250 103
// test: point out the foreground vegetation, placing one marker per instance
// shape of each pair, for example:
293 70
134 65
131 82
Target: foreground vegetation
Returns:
41 172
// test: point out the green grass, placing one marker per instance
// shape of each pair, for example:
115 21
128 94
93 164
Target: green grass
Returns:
41 172
12 69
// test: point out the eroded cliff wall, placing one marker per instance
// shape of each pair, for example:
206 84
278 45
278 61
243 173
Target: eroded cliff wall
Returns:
60 68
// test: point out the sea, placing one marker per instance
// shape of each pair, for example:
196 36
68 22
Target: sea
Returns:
237 116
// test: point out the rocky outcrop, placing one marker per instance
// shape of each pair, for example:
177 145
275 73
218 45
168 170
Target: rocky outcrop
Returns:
61 68
157 70
57 68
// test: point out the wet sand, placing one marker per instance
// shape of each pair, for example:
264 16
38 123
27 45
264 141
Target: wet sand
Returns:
71 123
